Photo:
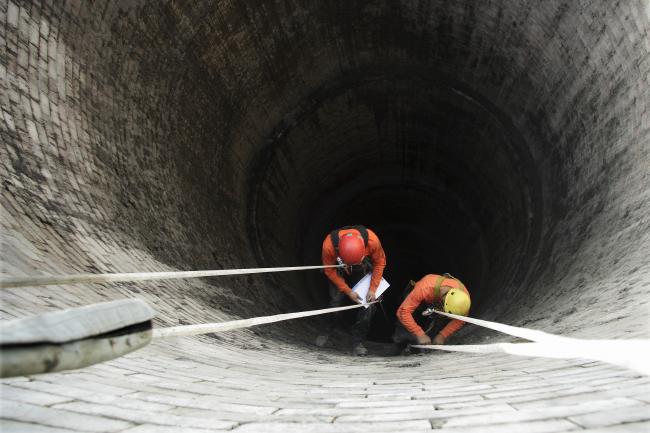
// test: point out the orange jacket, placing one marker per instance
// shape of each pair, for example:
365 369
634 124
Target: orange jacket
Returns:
424 292
373 250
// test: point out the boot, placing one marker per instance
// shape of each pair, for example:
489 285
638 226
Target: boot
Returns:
321 340
359 350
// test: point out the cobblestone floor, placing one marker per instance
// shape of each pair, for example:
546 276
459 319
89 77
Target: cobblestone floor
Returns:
151 136
193 385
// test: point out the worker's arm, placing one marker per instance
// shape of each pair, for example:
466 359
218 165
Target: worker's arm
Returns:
410 304
328 257
449 330
378 258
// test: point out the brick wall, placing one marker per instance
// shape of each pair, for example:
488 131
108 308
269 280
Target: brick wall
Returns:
142 136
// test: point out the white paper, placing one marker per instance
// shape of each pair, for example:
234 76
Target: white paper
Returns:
361 288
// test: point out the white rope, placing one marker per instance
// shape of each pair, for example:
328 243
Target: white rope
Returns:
50 280
515 331
632 354
208 328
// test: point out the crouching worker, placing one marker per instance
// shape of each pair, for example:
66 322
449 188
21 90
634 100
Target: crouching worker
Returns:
442 292
359 249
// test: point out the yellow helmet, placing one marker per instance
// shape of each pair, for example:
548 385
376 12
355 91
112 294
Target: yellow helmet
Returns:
457 302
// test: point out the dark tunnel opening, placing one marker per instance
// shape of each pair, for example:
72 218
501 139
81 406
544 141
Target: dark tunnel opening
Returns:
484 140
505 142
444 180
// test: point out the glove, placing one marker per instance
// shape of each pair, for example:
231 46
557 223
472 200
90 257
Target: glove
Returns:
439 339
370 297
354 296
424 339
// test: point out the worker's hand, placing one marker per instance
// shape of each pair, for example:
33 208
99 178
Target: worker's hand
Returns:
439 340
371 297
424 339
354 296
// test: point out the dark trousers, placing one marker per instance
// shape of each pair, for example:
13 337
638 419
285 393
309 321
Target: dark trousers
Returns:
363 316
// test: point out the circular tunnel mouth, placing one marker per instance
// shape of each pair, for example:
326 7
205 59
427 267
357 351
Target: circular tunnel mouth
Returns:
503 142
446 182
203 137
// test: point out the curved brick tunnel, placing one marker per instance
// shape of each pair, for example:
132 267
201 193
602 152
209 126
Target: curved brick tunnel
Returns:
506 143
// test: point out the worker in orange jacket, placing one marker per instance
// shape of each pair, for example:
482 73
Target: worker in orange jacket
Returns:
444 293
360 250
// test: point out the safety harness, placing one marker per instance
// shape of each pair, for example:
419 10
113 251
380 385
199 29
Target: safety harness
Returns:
334 235
440 279
436 291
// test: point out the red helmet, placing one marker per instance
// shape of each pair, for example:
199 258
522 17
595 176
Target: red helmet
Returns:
351 249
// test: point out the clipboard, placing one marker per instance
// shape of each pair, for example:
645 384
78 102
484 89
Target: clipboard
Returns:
361 288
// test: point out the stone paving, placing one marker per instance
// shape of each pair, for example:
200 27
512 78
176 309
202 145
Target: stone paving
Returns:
129 135
194 385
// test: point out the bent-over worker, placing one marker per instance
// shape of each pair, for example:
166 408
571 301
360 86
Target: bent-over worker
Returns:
360 250
444 293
